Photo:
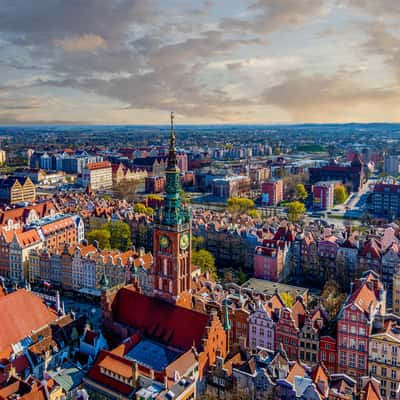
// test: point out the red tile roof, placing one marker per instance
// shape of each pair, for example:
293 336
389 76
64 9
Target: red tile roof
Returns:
28 238
21 312
57 225
105 380
98 165
373 247
177 326
364 298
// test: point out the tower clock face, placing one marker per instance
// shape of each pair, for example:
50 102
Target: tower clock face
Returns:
184 241
164 241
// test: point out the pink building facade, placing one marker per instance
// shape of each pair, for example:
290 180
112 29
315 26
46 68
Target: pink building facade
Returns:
323 195
261 330
272 192
269 260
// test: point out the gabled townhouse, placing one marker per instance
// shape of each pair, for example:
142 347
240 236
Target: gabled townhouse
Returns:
328 348
19 249
262 323
370 257
354 324
288 327
390 265
384 356
309 336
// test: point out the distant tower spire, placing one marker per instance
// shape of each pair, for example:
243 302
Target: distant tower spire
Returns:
172 149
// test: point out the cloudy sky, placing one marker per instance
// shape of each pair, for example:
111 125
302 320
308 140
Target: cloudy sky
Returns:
211 61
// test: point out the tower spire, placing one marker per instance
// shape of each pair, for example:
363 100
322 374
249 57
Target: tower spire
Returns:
172 149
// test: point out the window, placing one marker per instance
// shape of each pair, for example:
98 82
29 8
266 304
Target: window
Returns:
383 371
352 360
361 362
394 374
343 358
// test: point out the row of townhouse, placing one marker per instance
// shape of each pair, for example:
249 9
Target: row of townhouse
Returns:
86 267
352 254
362 339
265 374
53 231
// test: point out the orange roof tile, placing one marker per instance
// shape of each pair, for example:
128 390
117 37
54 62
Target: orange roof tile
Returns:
296 369
118 365
23 312
28 238
98 165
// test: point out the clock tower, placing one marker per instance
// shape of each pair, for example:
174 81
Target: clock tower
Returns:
172 238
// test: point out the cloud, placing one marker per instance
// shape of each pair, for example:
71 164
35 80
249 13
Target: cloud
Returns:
381 8
40 22
382 42
88 42
319 97
267 16
148 57
233 66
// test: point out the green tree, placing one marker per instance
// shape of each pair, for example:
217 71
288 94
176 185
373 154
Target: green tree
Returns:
120 235
296 211
155 197
140 208
240 205
332 297
340 194
184 196
253 213
197 242
301 192
149 211
287 299
102 236
205 261
241 276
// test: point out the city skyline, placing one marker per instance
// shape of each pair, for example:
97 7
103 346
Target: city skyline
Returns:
131 62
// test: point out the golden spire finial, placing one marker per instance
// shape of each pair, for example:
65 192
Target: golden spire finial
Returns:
172 136
172 149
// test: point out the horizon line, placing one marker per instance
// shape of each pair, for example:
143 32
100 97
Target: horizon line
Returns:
83 124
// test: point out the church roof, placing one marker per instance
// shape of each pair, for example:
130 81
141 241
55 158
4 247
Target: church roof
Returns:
179 327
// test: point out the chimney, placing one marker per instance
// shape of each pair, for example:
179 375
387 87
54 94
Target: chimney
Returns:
134 372
242 342
58 305
165 382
